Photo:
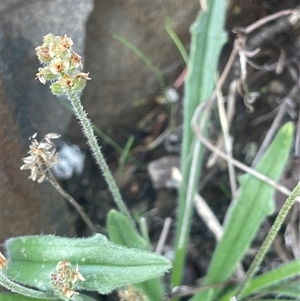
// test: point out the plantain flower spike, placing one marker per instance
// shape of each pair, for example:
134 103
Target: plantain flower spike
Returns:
61 65
64 279
42 156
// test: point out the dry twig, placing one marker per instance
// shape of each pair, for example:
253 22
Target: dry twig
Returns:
237 163
81 212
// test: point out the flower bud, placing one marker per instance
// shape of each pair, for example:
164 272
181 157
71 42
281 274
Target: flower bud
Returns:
80 80
75 60
64 43
56 89
49 39
45 74
67 81
43 54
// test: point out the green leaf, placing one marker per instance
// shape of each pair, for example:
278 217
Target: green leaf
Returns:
273 299
276 277
103 264
124 157
176 40
253 203
121 231
208 37
13 297
291 290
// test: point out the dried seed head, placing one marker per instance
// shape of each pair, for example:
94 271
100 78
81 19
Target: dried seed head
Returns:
131 293
64 43
76 276
42 156
43 54
80 80
2 261
45 74
75 60
67 82
64 279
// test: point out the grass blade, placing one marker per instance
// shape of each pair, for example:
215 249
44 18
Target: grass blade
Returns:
272 278
145 59
208 37
177 41
254 202
123 158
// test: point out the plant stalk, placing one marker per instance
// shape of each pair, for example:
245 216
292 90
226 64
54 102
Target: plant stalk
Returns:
22 290
269 239
70 199
87 128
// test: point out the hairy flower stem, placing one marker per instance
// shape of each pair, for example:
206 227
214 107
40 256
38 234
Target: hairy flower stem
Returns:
87 127
269 239
86 219
22 290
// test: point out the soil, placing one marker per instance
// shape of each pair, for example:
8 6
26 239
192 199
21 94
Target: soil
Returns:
280 51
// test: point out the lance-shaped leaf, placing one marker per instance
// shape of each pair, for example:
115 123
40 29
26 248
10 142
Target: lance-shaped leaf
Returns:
252 205
208 37
280 276
121 231
103 264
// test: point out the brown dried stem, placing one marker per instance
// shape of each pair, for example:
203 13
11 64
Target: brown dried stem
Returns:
237 163
70 199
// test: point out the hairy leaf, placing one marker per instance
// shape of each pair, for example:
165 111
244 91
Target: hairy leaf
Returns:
103 264
122 232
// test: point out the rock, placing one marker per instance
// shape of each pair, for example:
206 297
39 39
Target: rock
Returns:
26 207
161 172
28 107
23 25
119 77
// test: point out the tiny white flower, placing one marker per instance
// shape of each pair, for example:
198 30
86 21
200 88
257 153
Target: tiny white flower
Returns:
58 65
